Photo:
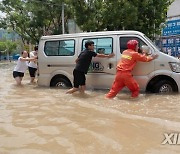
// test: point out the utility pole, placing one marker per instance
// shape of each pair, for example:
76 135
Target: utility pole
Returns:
62 14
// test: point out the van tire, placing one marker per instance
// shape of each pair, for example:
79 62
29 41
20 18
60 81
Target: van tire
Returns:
164 86
60 83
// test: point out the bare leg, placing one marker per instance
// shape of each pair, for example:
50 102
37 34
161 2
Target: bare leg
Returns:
72 90
18 80
32 79
82 90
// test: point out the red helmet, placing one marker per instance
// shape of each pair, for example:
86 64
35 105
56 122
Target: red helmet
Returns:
131 44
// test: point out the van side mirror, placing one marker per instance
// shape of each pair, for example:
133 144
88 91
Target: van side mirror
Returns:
146 50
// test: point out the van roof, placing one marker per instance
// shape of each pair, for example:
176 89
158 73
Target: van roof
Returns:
123 32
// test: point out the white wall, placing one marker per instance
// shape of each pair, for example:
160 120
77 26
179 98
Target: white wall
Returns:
174 10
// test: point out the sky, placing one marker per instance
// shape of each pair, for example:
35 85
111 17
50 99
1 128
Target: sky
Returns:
1 14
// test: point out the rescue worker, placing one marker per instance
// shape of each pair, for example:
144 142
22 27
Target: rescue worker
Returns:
124 68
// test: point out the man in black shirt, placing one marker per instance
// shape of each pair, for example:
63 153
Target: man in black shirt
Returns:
82 64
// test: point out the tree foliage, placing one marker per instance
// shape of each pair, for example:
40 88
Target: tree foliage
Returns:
33 18
2 46
145 16
7 47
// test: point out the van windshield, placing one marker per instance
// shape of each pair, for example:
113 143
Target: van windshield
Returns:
154 45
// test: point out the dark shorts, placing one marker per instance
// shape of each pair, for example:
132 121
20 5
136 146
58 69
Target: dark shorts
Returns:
79 78
32 71
17 74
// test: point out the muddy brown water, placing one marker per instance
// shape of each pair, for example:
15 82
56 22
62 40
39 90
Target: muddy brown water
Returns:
42 120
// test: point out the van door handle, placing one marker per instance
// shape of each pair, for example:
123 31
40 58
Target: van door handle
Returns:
110 66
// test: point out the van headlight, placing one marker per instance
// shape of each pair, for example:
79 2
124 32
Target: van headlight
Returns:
175 67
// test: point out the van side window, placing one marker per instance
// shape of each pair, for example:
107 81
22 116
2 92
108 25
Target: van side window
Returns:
101 45
59 48
124 40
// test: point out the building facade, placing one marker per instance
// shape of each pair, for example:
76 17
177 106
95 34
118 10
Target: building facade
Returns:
171 32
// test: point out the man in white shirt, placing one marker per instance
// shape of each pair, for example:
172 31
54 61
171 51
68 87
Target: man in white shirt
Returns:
32 66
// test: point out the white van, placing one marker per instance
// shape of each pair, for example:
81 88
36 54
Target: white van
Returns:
57 55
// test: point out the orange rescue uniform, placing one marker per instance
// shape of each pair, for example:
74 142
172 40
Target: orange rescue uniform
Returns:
124 76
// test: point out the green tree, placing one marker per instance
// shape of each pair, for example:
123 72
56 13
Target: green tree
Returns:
10 47
33 18
2 46
7 47
88 15
151 13
145 16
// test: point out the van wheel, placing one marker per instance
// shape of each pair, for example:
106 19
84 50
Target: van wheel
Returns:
164 86
60 83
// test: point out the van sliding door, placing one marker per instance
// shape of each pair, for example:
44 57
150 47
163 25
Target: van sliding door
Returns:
102 70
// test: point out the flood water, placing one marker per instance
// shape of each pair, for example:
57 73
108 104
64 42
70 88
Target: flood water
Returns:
42 120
